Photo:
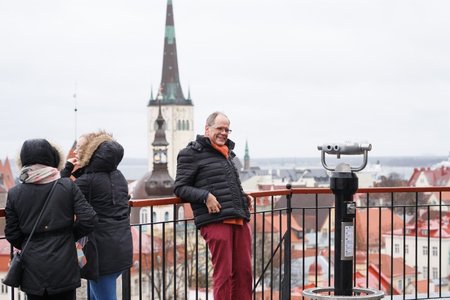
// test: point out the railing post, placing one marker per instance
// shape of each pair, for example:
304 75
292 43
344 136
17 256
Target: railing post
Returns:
286 282
126 285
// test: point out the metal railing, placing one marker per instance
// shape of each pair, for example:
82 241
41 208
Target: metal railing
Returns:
402 245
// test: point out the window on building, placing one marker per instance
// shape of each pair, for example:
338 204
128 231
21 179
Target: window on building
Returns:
324 233
166 216
406 249
4 289
143 218
396 248
167 183
435 273
435 251
187 125
425 250
425 272
400 284
181 213
145 285
154 217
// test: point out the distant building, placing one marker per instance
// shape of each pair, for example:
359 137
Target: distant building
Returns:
440 176
176 109
6 176
430 177
246 157
6 182
425 241
371 224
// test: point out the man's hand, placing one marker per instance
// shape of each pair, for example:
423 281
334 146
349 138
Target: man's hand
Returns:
212 204
250 201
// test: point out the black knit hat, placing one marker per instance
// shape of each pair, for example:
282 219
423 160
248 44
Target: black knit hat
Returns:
39 151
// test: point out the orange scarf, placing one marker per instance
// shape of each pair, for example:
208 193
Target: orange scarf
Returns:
224 151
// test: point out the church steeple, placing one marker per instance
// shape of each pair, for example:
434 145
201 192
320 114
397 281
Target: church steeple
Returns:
160 140
246 157
170 89
178 111
160 182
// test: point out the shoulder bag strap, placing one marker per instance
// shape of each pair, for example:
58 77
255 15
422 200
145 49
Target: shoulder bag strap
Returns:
40 215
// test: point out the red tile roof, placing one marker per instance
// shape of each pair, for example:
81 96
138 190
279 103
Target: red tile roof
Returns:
434 177
372 219
6 173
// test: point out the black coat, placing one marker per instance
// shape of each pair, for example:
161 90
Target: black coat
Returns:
50 259
106 189
201 169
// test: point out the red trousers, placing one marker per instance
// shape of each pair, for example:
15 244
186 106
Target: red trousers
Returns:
231 253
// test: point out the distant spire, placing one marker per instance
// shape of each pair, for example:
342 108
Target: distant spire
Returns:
170 81
160 135
246 157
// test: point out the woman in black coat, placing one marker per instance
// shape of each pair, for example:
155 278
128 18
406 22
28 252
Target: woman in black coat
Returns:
51 269
106 189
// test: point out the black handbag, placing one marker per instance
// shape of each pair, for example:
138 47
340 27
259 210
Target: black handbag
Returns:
14 276
89 266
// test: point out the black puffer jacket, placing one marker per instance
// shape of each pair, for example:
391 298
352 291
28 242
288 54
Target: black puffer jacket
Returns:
50 259
201 169
106 189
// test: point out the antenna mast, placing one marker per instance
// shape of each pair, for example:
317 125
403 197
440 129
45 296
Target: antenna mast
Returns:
75 110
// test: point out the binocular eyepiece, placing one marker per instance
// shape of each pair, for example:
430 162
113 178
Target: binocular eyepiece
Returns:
345 149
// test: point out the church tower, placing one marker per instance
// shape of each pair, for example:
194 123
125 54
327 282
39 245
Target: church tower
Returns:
177 110
157 183
246 158
160 183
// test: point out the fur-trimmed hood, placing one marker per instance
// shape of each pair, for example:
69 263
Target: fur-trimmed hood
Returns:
40 151
99 152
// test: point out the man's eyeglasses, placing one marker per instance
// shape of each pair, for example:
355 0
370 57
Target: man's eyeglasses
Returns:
222 129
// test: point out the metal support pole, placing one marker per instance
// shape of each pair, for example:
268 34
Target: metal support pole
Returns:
344 184
126 284
286 282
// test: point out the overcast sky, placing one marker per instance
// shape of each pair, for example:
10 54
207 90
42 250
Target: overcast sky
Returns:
290 74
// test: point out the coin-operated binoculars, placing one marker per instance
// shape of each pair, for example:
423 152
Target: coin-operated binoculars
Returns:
344 184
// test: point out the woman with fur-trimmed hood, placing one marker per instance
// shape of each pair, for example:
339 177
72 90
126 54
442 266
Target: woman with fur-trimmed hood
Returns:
106 189
51 269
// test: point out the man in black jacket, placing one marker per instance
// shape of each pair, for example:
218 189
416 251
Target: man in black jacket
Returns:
208 179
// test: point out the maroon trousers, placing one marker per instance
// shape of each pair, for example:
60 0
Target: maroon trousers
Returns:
231 251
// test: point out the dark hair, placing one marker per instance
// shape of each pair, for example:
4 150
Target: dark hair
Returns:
39 151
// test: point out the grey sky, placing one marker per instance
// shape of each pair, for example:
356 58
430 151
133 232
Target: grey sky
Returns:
291 74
